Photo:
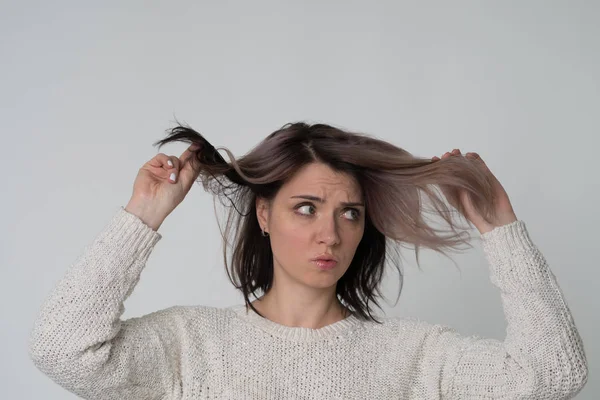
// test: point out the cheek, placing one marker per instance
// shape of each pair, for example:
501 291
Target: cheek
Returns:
354 237
350 241
290 241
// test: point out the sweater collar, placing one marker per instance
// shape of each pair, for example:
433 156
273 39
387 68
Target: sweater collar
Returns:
298 333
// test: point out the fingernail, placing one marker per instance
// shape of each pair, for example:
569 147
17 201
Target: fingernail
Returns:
173 176
170 163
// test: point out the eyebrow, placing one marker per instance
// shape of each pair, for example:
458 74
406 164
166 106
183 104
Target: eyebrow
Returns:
320 200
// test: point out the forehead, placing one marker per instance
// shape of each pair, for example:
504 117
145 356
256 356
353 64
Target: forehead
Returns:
320 179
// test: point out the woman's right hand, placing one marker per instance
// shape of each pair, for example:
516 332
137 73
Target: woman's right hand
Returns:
155 194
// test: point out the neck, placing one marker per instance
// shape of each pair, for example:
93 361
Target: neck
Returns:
294 310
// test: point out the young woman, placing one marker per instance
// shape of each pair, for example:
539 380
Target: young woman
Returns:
315 212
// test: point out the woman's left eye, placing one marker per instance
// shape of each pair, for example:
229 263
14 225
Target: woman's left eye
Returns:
356 213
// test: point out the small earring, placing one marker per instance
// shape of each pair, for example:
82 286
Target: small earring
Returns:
263 232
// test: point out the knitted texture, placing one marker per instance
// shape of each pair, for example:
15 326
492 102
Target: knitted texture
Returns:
202 352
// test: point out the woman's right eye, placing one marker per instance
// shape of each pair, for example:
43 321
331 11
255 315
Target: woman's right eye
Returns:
305 206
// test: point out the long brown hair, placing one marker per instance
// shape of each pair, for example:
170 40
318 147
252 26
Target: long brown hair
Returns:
395 185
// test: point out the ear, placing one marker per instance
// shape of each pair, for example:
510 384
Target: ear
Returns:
262 212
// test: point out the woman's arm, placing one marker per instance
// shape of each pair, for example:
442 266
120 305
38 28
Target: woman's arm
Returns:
79 340
542 356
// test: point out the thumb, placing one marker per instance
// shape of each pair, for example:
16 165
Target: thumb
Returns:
190 165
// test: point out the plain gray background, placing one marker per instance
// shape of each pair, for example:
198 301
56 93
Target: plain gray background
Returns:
87 88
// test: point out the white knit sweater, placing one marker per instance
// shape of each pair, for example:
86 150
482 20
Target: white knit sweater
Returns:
201 352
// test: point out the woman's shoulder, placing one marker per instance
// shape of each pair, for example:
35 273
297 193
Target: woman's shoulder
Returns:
408 328
181 316
198 314
400 324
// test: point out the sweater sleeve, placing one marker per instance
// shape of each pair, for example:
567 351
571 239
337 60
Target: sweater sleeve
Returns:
78 339
542 355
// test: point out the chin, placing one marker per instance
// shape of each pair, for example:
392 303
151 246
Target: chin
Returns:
323 281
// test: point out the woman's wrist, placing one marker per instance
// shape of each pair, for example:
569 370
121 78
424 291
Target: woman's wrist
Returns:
146 213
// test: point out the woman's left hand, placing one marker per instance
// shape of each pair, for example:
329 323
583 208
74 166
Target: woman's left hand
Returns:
504 210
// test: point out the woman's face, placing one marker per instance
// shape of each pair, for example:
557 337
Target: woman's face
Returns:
307 218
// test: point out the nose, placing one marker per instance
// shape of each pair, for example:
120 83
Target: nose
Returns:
328 232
